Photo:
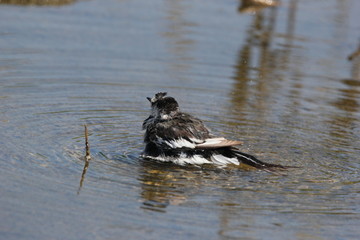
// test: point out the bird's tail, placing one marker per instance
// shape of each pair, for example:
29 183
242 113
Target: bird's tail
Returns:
256 163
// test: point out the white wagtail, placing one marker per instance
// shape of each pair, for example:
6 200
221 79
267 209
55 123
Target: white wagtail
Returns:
174 136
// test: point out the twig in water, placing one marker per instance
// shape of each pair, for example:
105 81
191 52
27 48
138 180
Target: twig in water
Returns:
87 159
87 146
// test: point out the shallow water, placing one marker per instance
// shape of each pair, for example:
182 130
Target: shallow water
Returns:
278 79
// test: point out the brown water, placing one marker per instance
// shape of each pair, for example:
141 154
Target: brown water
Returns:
278 79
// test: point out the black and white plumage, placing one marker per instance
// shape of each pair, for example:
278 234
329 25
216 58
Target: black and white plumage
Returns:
174 136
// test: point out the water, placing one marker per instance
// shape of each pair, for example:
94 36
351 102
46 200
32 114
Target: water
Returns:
278 79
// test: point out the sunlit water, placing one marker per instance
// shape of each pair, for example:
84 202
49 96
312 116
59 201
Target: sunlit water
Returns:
278 79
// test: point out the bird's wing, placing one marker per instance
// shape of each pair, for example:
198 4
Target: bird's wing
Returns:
183 131
217 143
185 142
189 135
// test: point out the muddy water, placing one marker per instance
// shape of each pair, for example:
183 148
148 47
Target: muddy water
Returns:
277 79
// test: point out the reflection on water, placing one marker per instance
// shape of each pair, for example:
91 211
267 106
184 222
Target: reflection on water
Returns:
355 54
86 166
268 76
260 65
178 29
355 69
38 2
343 130
166 184
256 5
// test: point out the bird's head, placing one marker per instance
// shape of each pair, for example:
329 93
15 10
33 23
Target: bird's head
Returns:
162 106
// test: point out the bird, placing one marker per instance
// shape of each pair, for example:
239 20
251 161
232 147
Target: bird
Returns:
180 138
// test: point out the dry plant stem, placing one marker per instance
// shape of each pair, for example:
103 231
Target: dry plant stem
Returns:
87 159
87 146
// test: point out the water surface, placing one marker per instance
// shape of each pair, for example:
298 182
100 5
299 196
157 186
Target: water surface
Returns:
277 79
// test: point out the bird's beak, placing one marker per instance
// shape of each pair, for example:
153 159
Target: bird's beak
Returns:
148 98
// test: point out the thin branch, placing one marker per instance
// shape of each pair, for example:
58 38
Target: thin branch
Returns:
87 146
87 159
